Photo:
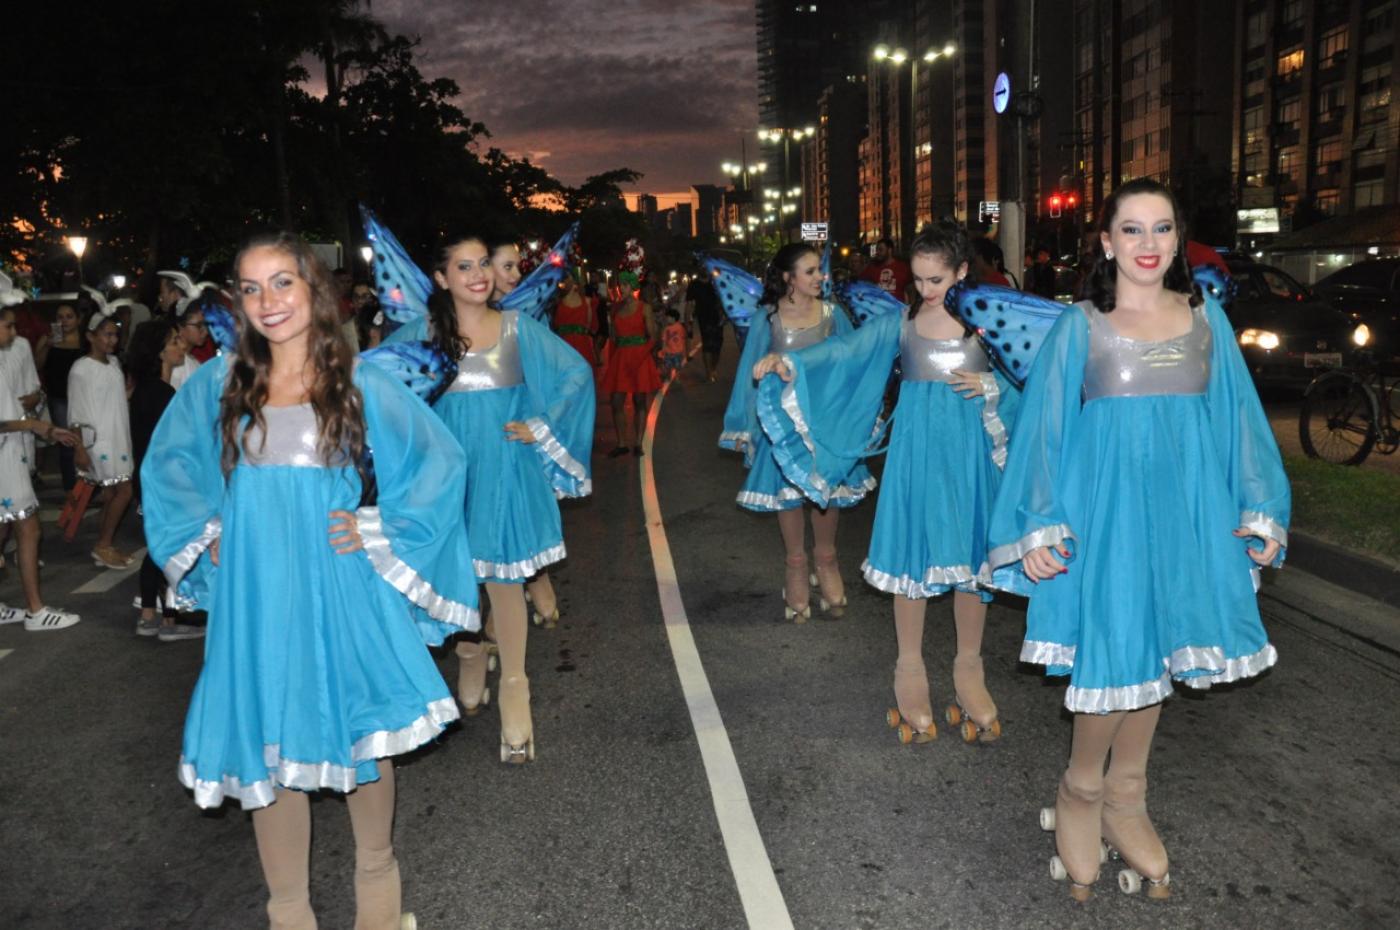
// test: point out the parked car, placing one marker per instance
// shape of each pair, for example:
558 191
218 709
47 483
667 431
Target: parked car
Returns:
1368 292
1285 333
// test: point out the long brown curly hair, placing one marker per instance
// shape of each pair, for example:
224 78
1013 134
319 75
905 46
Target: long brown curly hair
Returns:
339 405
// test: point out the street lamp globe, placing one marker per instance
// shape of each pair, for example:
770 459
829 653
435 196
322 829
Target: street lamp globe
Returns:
118 281
77 245
367 253
881 52
899 56
949 49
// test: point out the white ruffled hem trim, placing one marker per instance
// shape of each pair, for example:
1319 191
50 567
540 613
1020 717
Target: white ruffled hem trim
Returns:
1180 665
404 579
553 450
178 565
522 570
935 580
788 498
104 482
991 421
314 776
21 514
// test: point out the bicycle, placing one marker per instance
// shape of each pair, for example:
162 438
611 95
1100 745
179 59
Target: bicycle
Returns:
1348 412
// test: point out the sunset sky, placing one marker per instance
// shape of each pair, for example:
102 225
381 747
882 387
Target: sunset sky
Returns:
667 87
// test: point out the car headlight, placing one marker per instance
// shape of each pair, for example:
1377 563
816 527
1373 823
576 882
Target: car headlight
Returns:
1361 335
1262 338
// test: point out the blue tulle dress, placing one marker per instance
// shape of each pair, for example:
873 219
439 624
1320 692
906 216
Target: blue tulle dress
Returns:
315 663
765 489
1143 457
533 376
943 465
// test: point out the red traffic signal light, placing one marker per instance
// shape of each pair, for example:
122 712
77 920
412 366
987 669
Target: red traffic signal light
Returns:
1056 202
1072 201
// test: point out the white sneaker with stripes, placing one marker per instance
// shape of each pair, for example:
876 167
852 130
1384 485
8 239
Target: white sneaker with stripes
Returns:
48 618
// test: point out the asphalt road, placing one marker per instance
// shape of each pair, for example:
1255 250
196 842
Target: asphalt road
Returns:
1276 798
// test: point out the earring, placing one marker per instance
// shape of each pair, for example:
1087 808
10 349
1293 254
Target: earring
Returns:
1108 255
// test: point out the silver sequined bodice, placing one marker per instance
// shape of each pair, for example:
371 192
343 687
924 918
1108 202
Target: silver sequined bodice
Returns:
291 438
1121 367
924 359
496 367
787 340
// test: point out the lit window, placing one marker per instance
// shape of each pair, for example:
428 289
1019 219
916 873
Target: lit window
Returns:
1332 48
1290 62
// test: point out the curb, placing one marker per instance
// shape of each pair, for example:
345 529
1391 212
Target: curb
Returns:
1360 573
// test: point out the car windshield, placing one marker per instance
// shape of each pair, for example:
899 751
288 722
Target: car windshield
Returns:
1280 284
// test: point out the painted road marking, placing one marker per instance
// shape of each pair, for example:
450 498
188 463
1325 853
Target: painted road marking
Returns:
5 652
759 893
109 578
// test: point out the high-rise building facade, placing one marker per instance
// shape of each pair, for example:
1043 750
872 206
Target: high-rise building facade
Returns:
1151 98
1316 120
831 160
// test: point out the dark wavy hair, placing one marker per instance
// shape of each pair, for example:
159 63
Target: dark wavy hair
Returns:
1100 285
339 406
785 262
442 314
147 343
947 239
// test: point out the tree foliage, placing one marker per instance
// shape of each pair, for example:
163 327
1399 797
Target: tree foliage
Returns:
165 137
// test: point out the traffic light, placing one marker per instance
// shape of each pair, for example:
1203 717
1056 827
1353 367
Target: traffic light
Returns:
1071 200
1056 203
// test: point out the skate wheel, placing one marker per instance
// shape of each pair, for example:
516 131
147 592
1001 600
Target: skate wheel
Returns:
408 922
1047 819
1057 869
491 662
536 618
1129 882
812 580
993 732
1103 853
892 717
1162 890
906 733
953 715
969 731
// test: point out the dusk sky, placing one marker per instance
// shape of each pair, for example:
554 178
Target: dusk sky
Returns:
667 87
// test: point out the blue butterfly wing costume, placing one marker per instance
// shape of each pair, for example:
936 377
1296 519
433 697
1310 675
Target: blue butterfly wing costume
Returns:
867 301
533 295
739 292
402 286
315 663
1146 490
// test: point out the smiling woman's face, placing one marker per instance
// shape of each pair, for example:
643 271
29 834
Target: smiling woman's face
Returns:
273 295
1143 238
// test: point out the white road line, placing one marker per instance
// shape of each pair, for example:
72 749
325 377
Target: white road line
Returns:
111 577
5 652
759 893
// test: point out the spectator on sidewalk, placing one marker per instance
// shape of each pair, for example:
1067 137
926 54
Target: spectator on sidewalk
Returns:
192 332
18 504
98 415
156 350
886 271
704 307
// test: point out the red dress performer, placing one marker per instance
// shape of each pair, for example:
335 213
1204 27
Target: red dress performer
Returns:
576 322
630 368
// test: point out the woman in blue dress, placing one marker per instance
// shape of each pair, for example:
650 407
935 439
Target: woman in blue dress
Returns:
941 474
1142 494
797 316
522 407
323 572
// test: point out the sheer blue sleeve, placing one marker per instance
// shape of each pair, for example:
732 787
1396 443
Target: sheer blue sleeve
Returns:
823 421
1029 511
415 331
563 404
415 534
1253 465
741 416
183 486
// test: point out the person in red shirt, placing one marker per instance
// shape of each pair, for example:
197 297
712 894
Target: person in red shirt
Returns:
886 271
1198 254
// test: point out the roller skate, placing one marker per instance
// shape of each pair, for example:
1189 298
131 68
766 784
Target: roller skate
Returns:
1130 837
795 580
912 720
827 579
472 690
1078 848
980 722
517 733
538 616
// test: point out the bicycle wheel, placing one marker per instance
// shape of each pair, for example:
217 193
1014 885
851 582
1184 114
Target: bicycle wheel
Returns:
1337 422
